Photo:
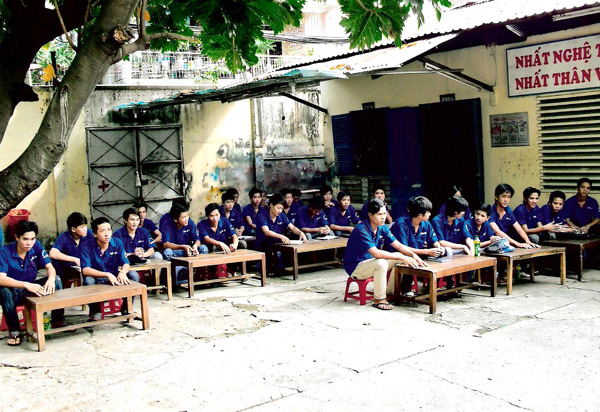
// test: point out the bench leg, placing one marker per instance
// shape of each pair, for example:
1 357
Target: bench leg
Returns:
144 309
532 276
509 276
295 263
39 324
243 268
580 265
432 293
494 280
263 279
129 307
190 281
169 283
563 268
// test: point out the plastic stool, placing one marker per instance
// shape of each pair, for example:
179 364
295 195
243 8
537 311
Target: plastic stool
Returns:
362 292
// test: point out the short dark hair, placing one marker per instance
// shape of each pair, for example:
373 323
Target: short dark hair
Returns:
233 191
418 205
211 207
130 211
25 226
76 219
180 201
263 192
276 199
285 191
342 195
584 180
456 204
378 187
484 207
317 203
176 211
555 194
504 188
453 190
296 193
253 191
374 206
99 221
139 204
324 189
529 191
227 196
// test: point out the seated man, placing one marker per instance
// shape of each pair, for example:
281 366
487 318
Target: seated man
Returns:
327 194
478 226
180 235
252 210
365 257
581 210
450 227
312 220
551 213
104 261
290 208
19 263
235 194
342 214
66 251
147 223
530 218
137 241
503 221
297 196
378 193
227 210
455 190
270 229
217 232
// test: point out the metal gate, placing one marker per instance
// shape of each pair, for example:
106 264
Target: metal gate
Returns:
130 163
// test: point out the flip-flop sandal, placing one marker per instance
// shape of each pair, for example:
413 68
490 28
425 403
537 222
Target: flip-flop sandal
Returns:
383 306
16 338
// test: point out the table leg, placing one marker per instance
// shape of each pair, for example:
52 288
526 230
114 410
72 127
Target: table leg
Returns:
563 268
397 288
432 293
28 322
156 278
243 267
169 283
144 309
532 275
190 280
263 279
39 325
580 264
509 276
295 263
494 281
129 306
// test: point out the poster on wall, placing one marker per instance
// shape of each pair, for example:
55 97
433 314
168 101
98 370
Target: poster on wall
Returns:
559 66
510 129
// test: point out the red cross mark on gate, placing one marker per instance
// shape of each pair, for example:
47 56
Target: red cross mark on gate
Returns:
103 186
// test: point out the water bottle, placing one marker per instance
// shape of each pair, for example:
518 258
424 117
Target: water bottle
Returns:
477 244
47 323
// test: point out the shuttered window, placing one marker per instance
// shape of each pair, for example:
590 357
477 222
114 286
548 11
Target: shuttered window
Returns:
569 132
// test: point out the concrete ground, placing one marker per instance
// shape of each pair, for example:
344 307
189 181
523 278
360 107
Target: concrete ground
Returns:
297 346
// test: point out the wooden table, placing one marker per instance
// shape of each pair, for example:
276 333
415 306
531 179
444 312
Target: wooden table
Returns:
574 250
525 254
211 259
155 266
66 298
311 246
458 264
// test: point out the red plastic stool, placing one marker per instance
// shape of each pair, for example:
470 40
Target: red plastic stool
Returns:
362 292
21 315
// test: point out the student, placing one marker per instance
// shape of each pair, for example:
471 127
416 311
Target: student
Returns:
478 226
455 190
216 231
529 216
147 223
503 220
327 194
19 264
66 251
342 215
104 261
297 195
166 218
581 210
365 256
378 193
263 199
270 231
180 235
290 208
137 240
450 227
234 192
227 210
551 212
251 211
312 220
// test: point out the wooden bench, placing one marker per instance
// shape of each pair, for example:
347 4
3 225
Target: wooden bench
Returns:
211 259
66 298
155 266
314 245
529 254
458 264
575 249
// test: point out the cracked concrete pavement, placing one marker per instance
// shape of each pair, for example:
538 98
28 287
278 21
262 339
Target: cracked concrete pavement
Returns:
298 346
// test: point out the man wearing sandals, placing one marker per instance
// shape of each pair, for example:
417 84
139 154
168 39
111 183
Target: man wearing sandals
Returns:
19 264
365 256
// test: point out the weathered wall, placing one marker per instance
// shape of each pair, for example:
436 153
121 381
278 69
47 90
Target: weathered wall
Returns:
518 166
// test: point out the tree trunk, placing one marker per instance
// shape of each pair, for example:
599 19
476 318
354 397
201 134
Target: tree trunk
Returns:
29 171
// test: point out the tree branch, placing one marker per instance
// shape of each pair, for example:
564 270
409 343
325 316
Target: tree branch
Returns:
142 30
142 42
62 23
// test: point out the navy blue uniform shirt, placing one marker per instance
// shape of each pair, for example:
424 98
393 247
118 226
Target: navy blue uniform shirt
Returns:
65 243
361 240
109 261
234 218
141 239
223 233
404 231
506 223
484 234
334 215
578 215
249 211
149 226
24 270
186 235
455 233
303 219
528 217
278 226
548 216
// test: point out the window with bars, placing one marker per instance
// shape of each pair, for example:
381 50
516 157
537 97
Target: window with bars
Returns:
569 133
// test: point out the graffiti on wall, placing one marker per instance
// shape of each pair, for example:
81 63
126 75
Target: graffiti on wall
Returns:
232 168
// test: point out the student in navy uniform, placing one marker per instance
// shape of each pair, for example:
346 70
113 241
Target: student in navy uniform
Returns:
227 210
312 220
235 195
66 251
166 218
180 235
101 260
217 232
551 213
263 200
297 195
342 215
450 227
455 190
529 216
270 231
19 264
137 240
366 257
290 208
503 221
147 223
327 195
251 211
581 210
378 193
479 226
